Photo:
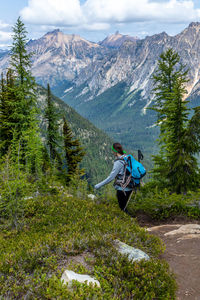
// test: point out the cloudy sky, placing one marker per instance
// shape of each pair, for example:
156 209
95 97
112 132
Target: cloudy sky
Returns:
95 19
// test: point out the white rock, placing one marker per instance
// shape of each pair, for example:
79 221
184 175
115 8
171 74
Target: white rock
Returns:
68 195
162 226
68 276
91 196
26 198
133 253
185 229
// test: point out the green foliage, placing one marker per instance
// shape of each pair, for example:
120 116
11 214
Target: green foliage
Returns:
135 281
162 205
24 84
95 142
120 113
52 119
15 186
73 152
60 229
176 166
8 113
20 59
18 110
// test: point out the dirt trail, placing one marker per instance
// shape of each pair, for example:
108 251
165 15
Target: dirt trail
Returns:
183 255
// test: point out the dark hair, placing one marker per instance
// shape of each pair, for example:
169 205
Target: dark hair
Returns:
118 148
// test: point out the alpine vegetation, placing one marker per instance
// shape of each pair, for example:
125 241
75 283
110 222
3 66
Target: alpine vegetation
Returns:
27 162
176 165
53 222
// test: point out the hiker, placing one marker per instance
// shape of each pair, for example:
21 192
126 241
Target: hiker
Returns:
118 170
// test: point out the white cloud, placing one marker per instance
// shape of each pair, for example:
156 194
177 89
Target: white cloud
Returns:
3 25
99 14
142 10
5 36
96 26
53 12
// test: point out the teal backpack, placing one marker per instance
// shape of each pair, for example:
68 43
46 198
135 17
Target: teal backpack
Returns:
134 171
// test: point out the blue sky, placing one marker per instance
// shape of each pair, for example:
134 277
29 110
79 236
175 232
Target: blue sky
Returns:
95 19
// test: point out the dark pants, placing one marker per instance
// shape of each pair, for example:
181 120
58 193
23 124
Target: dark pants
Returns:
122 198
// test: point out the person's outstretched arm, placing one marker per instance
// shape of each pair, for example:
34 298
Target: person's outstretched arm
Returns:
116 168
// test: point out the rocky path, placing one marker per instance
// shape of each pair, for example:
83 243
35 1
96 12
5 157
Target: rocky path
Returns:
183 255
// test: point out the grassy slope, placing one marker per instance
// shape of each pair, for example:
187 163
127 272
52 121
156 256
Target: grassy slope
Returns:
60 231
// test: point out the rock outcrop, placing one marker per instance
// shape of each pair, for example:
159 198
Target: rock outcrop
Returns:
132 253
68 277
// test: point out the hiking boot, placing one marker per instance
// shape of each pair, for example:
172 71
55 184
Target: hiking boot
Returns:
127 212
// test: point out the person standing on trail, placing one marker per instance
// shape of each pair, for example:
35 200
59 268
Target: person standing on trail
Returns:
118 170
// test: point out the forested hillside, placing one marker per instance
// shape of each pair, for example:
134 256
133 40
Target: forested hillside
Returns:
98 159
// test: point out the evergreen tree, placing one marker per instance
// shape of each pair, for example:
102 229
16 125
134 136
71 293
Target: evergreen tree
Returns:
8 120
4 132
52 119
20 59
25 111
175 166
24 81
73 151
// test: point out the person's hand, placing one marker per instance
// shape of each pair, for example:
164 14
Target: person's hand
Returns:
96 187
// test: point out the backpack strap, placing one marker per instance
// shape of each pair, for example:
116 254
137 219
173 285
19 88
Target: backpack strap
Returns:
121 158
125 180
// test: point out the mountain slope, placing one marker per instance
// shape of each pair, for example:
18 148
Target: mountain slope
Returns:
99 81
58 58
98 159
120 114
100 95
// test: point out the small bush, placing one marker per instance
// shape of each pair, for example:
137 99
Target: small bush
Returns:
163 205
59 229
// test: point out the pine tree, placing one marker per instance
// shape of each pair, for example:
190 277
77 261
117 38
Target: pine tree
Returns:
20 59
52 120
73 151
4 132
9 120
175 166
25 111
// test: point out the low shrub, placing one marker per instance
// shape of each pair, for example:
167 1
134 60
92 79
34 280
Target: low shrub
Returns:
163 205
58 231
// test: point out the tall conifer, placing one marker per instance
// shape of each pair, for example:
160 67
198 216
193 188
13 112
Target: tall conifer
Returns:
73 151
52 119
175 166
9 117
25 111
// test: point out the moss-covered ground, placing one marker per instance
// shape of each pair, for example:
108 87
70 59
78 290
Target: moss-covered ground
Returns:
57 229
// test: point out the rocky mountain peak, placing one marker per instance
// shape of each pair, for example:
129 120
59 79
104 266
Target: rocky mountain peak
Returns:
116 40
60 56
55 31
194 25
158 37
191 31
60 37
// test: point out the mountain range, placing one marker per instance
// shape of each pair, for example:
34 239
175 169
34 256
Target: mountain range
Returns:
110 82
